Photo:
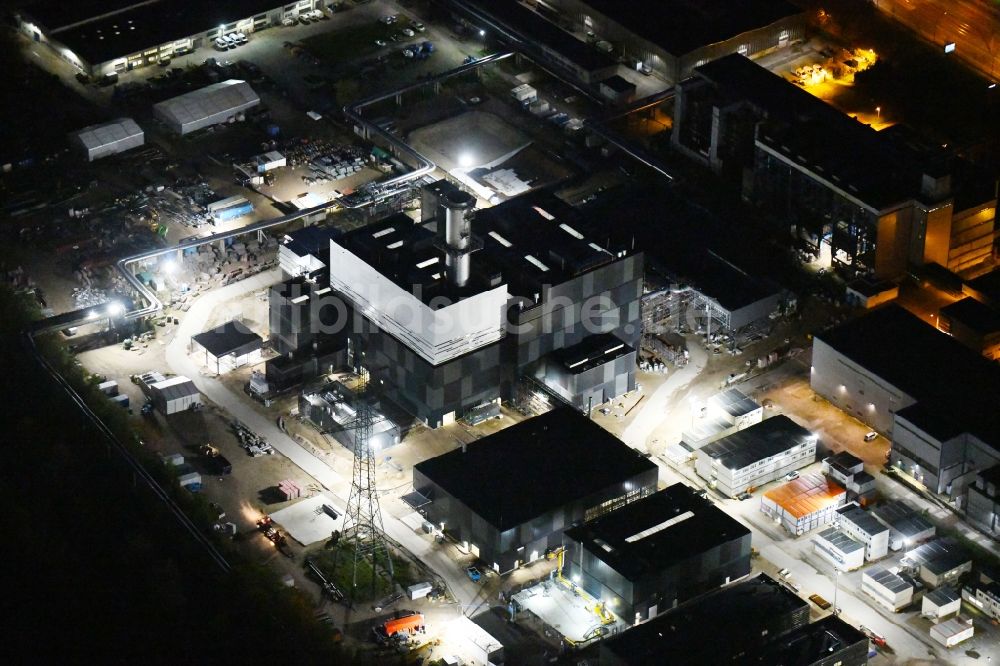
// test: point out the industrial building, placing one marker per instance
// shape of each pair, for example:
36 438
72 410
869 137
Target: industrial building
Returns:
212 105
939 412
939 562
508 497
656 552
865 528
906 526
669 38
450 313
839 549
756 455
332 408
109 138
863 202
114 36
849 471
983 507
973 323
758 621
803 504
887 588
229 346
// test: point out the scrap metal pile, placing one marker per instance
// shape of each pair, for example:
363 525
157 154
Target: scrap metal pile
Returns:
253 443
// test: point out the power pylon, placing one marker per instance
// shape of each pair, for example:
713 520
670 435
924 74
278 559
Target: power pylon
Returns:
365 534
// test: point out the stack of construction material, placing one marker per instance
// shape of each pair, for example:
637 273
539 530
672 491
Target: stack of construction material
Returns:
289 489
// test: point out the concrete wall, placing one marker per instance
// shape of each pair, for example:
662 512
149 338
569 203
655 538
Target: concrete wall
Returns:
853 389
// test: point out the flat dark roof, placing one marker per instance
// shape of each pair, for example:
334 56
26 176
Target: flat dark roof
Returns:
809 132
761 440
814 643
233 337
956 389
939 556
591 352
735 615
988 286
99 34
980 317
681 26
534 28
608 537
618 83
313 240
546 462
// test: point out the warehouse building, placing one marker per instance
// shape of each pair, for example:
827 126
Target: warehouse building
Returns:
756 455
169 395
865 528
804 504
941 603
888 589
212 105
943 429
758 621
983 507
114 36
725 412
939 562
672 37
508 497
229 346
864 202
452 312
656 552
906 526
110 138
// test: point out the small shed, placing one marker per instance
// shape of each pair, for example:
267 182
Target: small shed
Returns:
941 603
952 632
618 89
229 346
174 395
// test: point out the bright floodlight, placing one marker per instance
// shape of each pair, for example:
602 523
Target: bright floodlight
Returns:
465 160
482 33
115 308
92 314
169 266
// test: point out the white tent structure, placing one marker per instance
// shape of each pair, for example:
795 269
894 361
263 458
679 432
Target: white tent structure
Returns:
110 138
206 106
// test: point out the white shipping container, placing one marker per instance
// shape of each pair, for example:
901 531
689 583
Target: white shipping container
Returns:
108 388
190 478
419 590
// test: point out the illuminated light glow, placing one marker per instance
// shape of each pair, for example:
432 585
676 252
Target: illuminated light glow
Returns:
169 266
466 160
482 33
115 308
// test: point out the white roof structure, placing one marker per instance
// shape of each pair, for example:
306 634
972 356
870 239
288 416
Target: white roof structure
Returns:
206 106
110 138
175 387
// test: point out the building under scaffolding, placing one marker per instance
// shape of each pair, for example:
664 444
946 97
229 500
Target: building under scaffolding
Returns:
332 408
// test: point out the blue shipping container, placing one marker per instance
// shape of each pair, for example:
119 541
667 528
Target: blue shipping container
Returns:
234 212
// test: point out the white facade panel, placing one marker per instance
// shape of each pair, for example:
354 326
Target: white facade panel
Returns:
436 335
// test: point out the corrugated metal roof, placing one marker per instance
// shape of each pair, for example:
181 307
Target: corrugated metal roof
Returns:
110 133
218 99
807 494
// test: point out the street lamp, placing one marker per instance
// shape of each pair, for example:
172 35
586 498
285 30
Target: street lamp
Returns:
878 111
482 33
836 589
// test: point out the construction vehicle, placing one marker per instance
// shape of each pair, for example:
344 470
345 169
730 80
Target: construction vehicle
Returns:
266 526
217 463
873 637
406 624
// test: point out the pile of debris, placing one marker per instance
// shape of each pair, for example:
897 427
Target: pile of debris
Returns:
253 443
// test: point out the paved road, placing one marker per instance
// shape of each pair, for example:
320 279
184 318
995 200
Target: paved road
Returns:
180 362
653 408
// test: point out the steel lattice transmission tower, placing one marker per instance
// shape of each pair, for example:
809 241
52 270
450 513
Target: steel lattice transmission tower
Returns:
366 535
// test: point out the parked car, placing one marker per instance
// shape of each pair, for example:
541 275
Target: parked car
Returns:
871 436
744 496
408 33
418 26
791 476
388 19
783 573
380 42
304 19
474 574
